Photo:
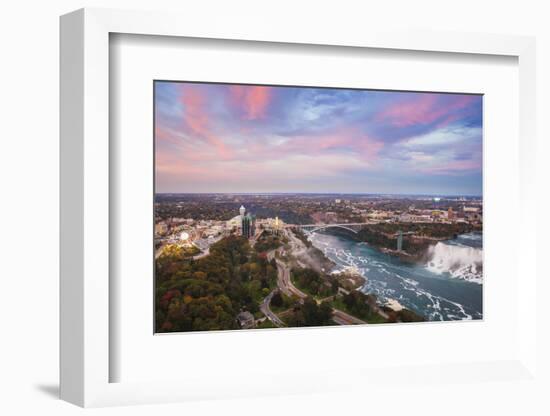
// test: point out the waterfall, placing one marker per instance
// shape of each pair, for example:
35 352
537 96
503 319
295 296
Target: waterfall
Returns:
460 261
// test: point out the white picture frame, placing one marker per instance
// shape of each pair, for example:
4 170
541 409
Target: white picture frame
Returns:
85 211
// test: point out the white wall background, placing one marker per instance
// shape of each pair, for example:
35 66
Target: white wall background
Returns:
29 56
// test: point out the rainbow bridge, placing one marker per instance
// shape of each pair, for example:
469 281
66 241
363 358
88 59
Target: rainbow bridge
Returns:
353 227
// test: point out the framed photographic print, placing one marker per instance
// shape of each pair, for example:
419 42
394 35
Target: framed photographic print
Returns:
291 206
240 205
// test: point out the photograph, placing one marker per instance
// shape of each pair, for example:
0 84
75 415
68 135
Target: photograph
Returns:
245 207
279 206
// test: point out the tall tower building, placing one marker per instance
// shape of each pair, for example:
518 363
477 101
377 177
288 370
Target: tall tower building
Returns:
242 210
245 226
277 225
248 226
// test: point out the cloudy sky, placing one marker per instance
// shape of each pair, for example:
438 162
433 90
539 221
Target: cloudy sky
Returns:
238 138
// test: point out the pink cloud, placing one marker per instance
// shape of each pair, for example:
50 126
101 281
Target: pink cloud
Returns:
426 109
189 172
192 165
164 135
180 155
253 101
176 166
196 118
453 167
347 140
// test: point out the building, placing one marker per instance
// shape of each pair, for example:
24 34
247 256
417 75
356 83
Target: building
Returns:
161 228
379 215
437 214
245 226
246 320
234 223
471 209
472 214
272 225
331 217
247 223
277 226
474 217
248 227
405 217
450 213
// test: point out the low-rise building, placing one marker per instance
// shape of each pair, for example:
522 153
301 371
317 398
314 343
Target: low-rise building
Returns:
470 209
246 320
161 228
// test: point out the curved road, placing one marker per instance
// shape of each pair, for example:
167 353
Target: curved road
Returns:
264 307
284 282
286 286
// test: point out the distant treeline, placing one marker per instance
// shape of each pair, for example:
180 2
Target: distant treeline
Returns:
223 211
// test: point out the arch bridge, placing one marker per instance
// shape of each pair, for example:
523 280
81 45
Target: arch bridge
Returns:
353 227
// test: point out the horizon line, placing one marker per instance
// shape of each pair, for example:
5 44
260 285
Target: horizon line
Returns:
319 193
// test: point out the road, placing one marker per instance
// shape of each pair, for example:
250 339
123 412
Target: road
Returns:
297 246
271 254
205 253
283 277
342 318
287 287
264 306
158 252
266 310
284 282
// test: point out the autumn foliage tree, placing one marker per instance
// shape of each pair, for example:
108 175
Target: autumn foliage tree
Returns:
208 293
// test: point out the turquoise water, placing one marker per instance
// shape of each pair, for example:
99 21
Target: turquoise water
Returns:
447 287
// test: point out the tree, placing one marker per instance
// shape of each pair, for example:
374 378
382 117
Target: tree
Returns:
277 300
357 304
406 315
311 314
205 294
199 275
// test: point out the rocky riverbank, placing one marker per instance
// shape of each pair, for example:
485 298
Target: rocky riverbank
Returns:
417 238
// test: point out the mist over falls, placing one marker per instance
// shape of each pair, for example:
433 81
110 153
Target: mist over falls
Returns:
460 261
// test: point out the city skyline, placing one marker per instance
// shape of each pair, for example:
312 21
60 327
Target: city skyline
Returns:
320 193
245 139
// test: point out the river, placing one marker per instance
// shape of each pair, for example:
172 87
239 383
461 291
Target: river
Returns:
448 286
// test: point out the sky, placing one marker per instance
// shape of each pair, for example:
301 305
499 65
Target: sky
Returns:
212 138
